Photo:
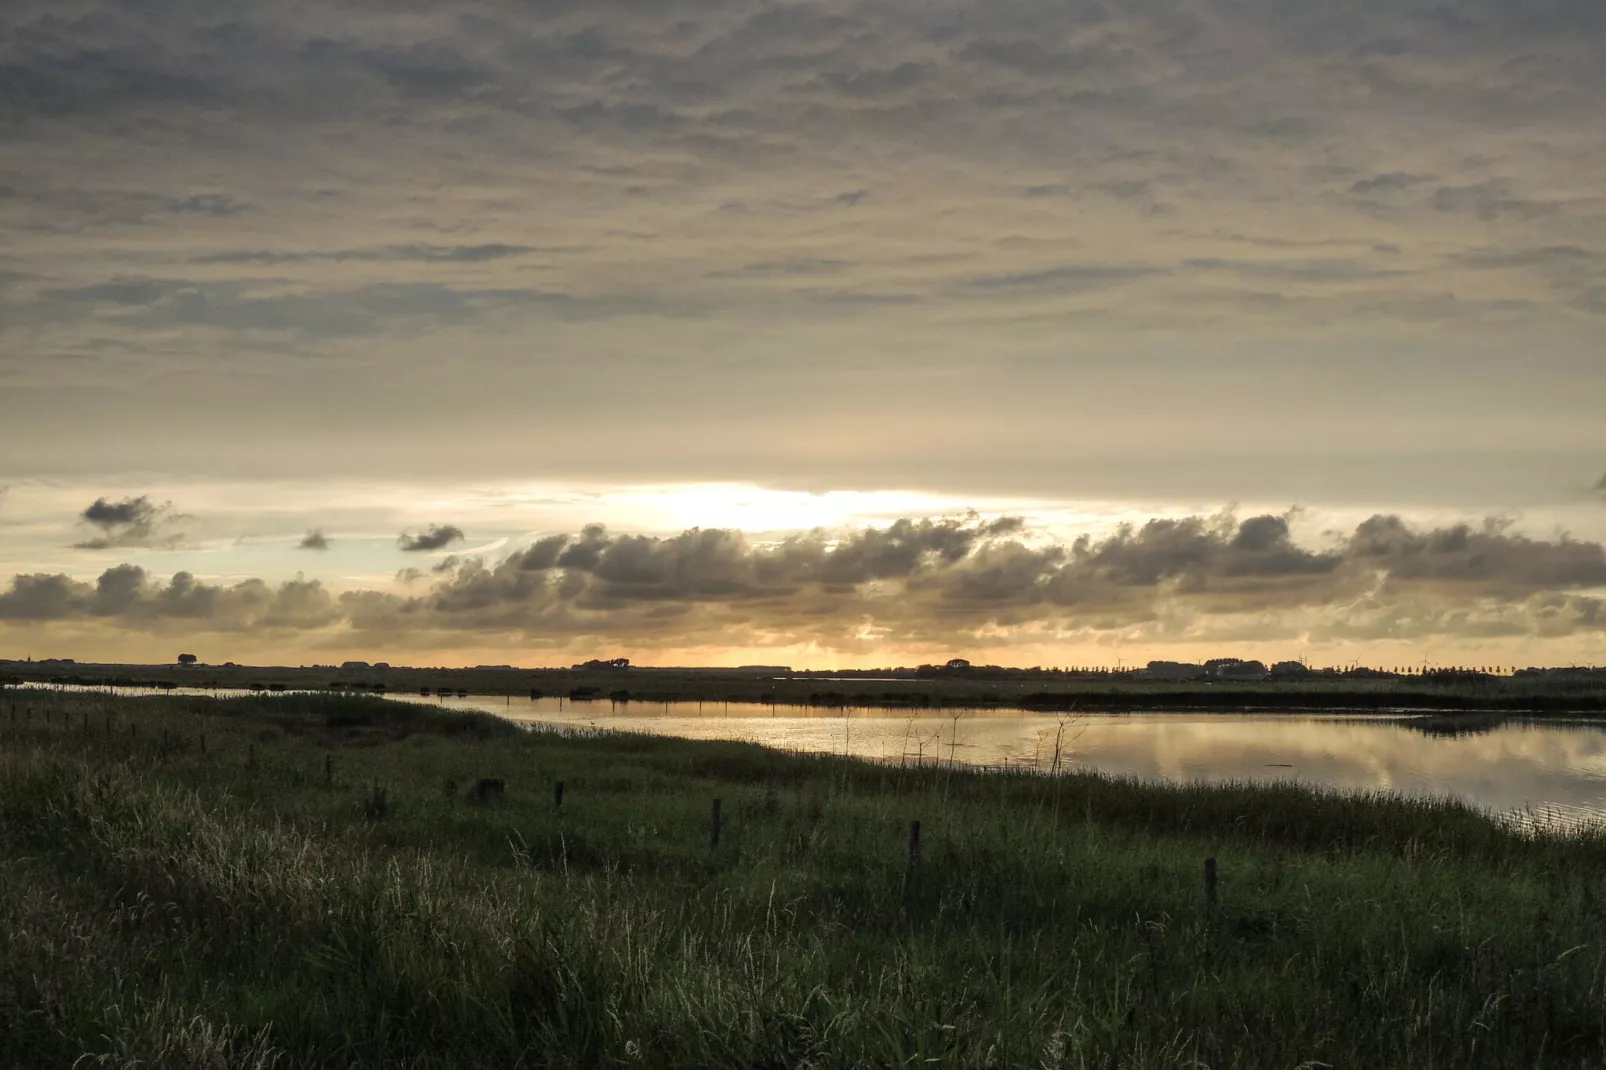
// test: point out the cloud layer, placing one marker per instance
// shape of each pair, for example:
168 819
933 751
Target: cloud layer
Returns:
759 216
911 586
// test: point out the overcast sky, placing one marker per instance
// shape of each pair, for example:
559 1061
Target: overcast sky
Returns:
358 291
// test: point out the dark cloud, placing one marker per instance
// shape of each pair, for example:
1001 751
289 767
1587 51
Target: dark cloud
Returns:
438 537
127 597
1329 270
1393 182
314 540
1286 128
1486 558
428 71
382 308
1562 257
131 522
543 553
918 581
1489 200
791 268
1066 278
212 204
382 176
1131 189
862 298
933 579
130 511
40 597
93 79
879 83
425 254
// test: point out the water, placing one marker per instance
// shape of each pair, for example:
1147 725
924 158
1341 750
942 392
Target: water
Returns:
1554 769
1549 768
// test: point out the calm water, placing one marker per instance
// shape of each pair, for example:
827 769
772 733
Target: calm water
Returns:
1555 769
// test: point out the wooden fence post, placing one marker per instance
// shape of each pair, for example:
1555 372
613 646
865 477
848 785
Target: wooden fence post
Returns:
557 796
914 842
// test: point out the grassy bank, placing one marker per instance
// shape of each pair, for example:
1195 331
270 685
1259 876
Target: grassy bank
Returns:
313 881
1583 693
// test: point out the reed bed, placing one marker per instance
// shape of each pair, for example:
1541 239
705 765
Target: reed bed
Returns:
322 881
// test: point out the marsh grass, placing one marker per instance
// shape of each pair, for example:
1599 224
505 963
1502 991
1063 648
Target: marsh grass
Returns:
315 889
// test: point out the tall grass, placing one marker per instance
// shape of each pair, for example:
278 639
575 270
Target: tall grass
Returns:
242 907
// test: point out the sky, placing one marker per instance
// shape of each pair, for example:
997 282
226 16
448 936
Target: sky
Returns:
824 333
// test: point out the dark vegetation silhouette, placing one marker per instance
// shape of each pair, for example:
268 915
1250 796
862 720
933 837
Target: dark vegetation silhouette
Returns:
725 905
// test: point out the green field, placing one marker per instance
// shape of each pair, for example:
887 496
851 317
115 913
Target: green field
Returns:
310 881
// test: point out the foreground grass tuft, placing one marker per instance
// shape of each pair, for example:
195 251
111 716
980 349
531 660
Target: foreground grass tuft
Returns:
310 881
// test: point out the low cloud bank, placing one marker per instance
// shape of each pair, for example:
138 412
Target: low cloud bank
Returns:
910 583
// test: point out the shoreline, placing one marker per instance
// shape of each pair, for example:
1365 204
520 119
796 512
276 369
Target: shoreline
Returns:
1582 698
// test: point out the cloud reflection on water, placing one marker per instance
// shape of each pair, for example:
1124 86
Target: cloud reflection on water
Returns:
1514 766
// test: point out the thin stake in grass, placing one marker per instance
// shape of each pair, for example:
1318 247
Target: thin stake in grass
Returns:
713 828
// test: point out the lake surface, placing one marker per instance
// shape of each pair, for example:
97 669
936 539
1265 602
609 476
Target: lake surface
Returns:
1552 770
